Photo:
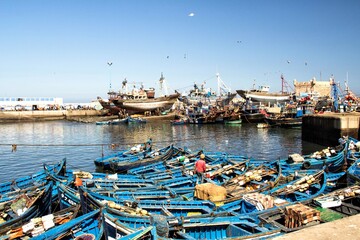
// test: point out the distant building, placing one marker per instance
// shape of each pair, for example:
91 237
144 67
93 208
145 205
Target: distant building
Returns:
29 103
313 88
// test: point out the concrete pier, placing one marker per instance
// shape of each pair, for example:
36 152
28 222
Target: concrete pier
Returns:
327 128
30 116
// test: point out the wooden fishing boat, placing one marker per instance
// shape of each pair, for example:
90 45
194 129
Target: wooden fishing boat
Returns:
67 196
87 226
113 122
144 208
353 173
140 105
122 184
353 151
252 117
285 122
285 194
161 167
114 228
222 228
12 188
41 224
135 152
329 207
302 189
331 158
124 165
263 95
25 207
255 179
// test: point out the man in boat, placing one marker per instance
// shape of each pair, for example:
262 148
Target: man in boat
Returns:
200 168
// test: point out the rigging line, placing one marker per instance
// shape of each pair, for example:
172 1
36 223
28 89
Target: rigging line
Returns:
99 144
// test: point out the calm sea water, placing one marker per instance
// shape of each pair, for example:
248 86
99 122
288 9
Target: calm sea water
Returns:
81 143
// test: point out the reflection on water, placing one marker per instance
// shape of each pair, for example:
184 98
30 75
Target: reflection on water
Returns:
81 143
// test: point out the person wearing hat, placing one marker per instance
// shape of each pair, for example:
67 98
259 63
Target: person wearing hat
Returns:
200 168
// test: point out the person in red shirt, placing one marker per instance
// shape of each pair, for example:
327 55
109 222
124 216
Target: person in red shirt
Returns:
200 168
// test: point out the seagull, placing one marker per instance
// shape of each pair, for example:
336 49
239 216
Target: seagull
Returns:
191 14
109 63
288 61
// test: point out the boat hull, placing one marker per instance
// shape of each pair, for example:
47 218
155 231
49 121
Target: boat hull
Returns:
143 105
264 96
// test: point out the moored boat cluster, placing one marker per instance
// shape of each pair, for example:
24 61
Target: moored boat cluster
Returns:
158 193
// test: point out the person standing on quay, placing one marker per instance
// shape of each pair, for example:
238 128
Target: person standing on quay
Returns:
200 168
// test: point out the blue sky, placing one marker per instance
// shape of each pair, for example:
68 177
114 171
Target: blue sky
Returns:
61 48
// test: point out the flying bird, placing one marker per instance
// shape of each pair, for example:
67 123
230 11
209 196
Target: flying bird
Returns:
109 63
191 14
288 61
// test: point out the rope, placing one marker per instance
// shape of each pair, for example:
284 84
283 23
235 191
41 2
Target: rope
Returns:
96 144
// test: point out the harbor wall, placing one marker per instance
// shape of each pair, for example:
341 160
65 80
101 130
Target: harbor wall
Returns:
29 116
326 129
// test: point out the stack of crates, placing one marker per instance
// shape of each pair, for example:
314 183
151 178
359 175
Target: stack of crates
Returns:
300 215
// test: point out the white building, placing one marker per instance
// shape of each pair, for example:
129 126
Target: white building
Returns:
29 103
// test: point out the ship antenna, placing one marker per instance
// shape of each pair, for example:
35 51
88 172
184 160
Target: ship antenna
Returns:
109 64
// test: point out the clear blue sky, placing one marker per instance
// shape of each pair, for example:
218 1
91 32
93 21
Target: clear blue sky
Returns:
61 48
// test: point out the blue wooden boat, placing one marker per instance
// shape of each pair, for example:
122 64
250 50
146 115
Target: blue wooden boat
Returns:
39 225
27 206
104 162
144 208
135 153
331 158
353 151
114 227
87 226
122 184
254 179
158 156
284 194
353 173
302 189
223 228
160 167
13 188
67 196
332 206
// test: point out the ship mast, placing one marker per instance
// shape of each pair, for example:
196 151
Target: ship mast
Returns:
221 86
285 85
163 86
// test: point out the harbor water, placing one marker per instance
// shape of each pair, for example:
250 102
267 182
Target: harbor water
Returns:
24 147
